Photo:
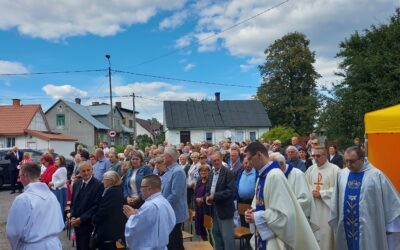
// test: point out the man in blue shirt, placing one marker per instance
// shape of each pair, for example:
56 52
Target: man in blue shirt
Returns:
245 186
102 165
174 190
293 158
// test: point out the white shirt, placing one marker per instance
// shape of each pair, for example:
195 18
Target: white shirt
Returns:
59 178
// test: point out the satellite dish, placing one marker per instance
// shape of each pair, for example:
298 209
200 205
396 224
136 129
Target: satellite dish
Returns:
228 134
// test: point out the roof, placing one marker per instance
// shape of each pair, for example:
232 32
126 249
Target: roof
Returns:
215 114
126 129
16 118
151 127
50 136
101 109
84 112
385 120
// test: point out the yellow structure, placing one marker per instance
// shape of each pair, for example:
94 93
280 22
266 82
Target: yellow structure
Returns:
382 128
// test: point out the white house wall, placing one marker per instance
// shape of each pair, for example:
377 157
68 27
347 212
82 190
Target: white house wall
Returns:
197 135
63 148
38 123
141 131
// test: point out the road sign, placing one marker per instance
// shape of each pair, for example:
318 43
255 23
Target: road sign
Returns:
112 133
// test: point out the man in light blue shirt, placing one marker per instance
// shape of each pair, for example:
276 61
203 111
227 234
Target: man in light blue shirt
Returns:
246 183
102 165
174 190
149 226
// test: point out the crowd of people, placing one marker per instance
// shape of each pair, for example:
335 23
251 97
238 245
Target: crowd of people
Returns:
298 197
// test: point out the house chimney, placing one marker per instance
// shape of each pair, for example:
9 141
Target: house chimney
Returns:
119 104
95 103
16 102
217 96
78 100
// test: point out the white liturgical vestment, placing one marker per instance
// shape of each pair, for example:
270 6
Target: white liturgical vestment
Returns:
323 178
35 219
365 210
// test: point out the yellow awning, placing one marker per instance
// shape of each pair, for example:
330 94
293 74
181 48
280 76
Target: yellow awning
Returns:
385 120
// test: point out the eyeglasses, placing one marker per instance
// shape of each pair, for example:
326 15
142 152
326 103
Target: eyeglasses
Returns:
216 160
203 157
316 155
351 162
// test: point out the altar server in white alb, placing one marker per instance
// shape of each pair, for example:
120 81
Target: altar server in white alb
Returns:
34 220
322 178
148 227
277 216
365 211
298 182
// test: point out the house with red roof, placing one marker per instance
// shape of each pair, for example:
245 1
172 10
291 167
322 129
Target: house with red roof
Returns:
25 126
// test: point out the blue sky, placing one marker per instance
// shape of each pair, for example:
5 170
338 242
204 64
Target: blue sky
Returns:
38 36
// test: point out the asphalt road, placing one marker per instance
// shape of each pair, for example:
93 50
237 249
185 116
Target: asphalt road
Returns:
6 200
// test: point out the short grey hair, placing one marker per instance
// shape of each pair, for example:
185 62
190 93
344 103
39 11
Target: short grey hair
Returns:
172 152
277 157
293 148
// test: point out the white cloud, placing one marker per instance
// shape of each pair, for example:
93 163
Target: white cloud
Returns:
63 91
49 20
150 97
184 41
173 21
325 23
7 67
189 66
327 69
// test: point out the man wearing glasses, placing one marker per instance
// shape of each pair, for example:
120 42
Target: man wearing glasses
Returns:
276 214
322 178
149 226
365 210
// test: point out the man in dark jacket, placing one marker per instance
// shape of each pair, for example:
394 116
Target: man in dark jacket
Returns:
15 156
219 195
85 199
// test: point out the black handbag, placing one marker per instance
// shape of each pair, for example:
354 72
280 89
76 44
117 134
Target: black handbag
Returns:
93 242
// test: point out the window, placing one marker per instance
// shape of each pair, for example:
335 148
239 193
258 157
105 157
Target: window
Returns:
252 136
60 120
209 136
131 123
10 142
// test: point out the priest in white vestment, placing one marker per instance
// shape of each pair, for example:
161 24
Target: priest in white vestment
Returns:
322 178
34 220
298 182
148 227
277 217
365 210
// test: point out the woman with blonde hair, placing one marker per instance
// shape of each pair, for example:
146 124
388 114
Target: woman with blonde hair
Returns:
109 219
192 177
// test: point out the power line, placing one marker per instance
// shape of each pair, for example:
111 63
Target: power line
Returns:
53 72
183 80
211 36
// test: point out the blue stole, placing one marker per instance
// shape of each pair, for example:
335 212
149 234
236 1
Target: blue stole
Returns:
288 170
351 213
260 206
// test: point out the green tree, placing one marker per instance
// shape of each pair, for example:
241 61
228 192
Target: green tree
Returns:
288 90
143 141
284 134
371 71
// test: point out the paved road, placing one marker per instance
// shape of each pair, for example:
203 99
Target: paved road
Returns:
6 200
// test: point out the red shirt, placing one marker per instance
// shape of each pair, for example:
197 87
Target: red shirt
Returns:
48 174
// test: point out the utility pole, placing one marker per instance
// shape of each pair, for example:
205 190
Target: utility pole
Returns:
134 118
111 103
